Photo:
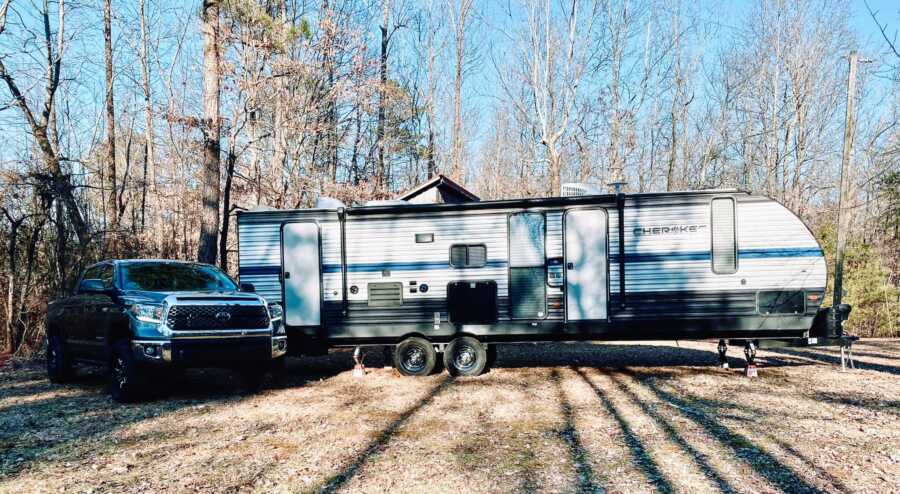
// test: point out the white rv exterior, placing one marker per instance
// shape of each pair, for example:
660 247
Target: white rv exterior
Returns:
711 264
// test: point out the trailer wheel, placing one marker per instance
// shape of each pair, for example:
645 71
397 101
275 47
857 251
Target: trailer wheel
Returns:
465 356
415 357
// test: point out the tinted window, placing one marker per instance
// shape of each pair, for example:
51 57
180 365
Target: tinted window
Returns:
92 273
724 244
174 277
106 275
468 256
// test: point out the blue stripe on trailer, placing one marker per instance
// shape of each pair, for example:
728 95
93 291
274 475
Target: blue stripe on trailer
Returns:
375 267
649 257
705 255
794 252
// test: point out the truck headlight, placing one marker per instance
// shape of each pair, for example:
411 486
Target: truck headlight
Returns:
276 313
151 313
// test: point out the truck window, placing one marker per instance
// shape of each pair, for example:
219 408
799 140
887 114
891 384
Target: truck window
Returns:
174 277
106 275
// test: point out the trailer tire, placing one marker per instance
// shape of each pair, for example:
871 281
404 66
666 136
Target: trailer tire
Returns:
465 356
415 356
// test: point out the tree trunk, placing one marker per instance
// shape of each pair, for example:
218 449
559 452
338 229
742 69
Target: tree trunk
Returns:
380 172
226 210
211 174
460 16
112 201
149 158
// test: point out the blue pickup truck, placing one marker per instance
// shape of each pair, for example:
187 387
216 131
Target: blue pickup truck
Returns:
144 318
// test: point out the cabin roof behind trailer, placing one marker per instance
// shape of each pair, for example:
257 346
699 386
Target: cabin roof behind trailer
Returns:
445 191
525 203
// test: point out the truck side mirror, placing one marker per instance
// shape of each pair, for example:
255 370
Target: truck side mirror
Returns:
248 287
91 286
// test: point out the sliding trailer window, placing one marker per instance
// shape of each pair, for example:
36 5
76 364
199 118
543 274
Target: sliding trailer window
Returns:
468 256
723 236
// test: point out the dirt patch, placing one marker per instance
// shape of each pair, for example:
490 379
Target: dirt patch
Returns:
549 417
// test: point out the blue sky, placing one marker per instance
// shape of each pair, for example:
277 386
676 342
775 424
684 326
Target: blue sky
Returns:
481 87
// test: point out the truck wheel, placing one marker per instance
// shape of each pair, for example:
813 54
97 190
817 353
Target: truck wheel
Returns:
59 366
465 356
125 379
415 357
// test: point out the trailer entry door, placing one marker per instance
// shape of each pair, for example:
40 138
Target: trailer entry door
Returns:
301 274
586 264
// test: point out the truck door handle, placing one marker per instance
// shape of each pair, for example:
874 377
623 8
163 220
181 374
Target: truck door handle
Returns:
287 275
570 265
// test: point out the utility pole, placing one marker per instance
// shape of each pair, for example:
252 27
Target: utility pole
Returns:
846 179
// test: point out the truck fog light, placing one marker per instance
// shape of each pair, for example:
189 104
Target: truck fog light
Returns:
150 350
281 345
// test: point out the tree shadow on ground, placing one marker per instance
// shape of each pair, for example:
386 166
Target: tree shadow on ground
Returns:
672 433
763 463
836 360
336 481
519 355
585 476
60 419
642 458
864 403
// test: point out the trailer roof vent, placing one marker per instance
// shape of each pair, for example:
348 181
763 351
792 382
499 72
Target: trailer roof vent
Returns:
329 203
387 202
580 189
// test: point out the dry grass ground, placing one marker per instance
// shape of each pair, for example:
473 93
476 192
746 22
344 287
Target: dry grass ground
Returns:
615 417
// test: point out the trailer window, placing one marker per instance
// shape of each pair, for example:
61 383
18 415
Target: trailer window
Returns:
526 240
724 242
468 256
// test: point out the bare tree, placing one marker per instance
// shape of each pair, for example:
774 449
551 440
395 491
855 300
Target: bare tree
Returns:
112 200
52 180
211 175
149 152
553 63
460 11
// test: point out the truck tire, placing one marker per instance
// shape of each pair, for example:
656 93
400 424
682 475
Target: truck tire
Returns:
59 365
126 382
465 356
415 356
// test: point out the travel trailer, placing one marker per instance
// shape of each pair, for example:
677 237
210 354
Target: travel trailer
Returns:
456 279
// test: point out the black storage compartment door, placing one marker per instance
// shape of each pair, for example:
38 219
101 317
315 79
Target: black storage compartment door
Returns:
472 302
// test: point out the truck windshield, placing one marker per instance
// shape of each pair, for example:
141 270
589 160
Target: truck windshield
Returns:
174 277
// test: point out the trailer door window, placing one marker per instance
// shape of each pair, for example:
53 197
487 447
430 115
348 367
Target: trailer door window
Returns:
468 256
527 281
724 242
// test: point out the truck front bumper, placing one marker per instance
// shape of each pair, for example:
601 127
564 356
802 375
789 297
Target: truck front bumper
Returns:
210 351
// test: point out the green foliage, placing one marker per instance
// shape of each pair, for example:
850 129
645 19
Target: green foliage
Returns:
867 287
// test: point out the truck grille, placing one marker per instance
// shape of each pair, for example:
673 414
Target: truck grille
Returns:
202 317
